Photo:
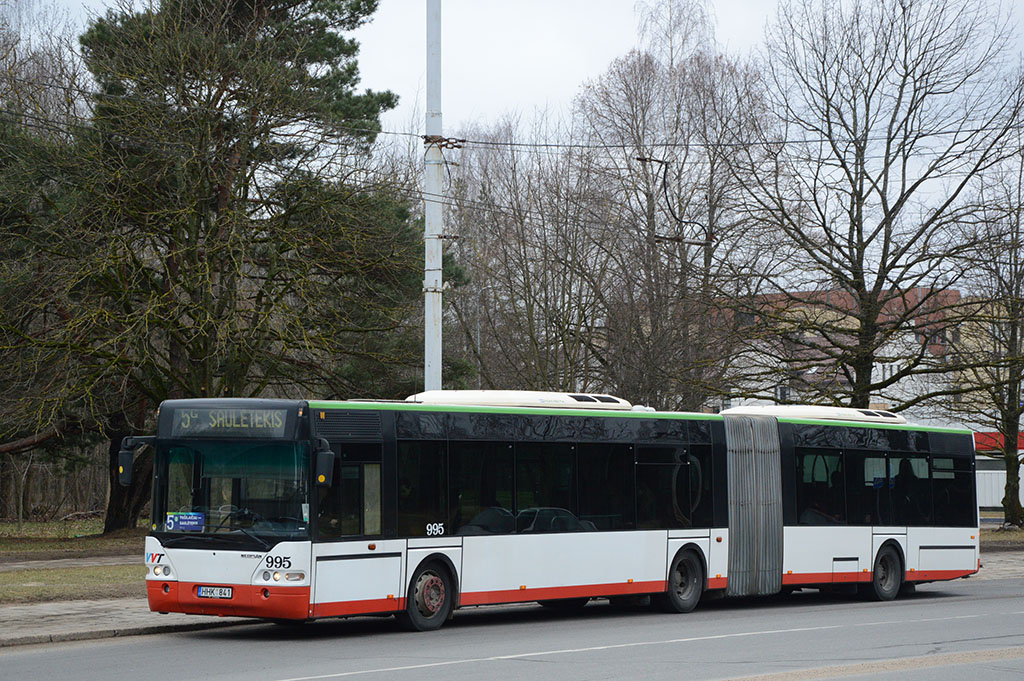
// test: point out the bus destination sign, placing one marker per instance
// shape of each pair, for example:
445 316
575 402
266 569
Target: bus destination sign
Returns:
228 422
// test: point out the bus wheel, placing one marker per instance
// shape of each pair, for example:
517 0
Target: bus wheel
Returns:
429 601
888 576
685 584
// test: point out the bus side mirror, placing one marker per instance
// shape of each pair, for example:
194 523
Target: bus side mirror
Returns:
124 466
324 463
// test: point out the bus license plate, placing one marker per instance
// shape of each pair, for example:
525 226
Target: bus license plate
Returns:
215 592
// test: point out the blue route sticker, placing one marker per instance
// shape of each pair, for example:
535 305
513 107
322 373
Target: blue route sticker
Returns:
185 522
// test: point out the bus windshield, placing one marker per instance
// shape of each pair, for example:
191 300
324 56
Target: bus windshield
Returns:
253 491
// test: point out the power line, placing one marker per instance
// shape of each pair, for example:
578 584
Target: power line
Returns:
579 146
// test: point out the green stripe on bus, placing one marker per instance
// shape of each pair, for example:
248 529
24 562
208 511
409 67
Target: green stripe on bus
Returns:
480 409
687 416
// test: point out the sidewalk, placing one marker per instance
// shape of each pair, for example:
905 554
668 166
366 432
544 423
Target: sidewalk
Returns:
81 620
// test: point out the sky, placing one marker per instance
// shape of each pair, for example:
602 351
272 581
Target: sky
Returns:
501 56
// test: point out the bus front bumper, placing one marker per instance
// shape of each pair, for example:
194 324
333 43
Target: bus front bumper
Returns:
272 602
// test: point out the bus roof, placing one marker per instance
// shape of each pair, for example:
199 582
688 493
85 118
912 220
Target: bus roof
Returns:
521 398
803 411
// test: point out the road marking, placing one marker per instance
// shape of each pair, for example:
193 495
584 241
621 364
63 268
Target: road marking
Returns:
902 663
567 651
897 664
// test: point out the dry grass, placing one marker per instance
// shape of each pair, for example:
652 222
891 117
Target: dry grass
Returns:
66 584
66 539
1002 540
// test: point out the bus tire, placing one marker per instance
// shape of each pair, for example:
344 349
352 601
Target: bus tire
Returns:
430 598
887 577
685 583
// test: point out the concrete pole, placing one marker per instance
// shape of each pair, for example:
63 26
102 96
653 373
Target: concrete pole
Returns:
432 205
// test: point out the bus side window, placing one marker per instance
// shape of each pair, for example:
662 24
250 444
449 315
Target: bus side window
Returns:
875 505
546 488
910 489
481 475
821 494
662 487
951 486
422 487
606 486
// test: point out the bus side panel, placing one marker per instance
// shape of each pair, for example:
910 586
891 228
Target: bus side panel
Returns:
937 553
898 535
699 538
718 559
512 568
826 554
353 579
417 555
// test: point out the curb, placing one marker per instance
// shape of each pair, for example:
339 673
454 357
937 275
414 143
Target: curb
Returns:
119 633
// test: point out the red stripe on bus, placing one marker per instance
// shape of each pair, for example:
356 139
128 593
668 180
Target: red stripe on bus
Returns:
717 582
825 578
933 575
367 607
247 600
556 592
863 577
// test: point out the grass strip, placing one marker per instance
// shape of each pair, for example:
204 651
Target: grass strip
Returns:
76 583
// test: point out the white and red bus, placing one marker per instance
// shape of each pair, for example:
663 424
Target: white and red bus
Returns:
294 510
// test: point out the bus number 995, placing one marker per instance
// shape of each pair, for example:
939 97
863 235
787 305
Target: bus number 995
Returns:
276 562
435 529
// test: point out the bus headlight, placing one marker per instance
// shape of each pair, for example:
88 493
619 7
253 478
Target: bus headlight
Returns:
158 570
277 576
294 576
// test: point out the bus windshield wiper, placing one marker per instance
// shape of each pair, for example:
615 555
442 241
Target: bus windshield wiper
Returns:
253 535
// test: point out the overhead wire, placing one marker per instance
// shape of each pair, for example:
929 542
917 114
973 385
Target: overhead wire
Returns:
549 145
34 121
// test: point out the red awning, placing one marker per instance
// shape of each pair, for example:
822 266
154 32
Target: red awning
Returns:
993 442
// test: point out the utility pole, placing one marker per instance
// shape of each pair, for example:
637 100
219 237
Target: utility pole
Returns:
432 205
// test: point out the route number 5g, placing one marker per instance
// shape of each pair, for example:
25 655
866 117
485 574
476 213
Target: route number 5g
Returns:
435 529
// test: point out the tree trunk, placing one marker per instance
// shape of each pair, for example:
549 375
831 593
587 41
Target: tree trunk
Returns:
1012 512
125 504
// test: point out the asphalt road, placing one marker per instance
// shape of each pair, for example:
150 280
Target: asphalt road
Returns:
969 629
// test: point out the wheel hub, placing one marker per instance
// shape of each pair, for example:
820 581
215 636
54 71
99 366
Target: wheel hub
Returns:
429 594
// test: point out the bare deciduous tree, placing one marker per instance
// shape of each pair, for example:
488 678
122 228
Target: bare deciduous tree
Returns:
888 113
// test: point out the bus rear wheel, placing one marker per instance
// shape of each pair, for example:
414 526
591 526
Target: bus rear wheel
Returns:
887 577
429 601
685 583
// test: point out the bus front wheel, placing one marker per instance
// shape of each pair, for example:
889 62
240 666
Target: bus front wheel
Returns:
430 598
685 583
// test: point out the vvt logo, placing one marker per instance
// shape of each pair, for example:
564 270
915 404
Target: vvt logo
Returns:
154 557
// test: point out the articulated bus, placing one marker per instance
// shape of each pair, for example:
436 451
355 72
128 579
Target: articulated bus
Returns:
295 510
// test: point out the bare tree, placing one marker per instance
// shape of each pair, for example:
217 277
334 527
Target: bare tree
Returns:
990 344
664 118
888 114
520 212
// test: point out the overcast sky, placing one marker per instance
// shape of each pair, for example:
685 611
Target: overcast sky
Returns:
514 55
503 55
510 55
